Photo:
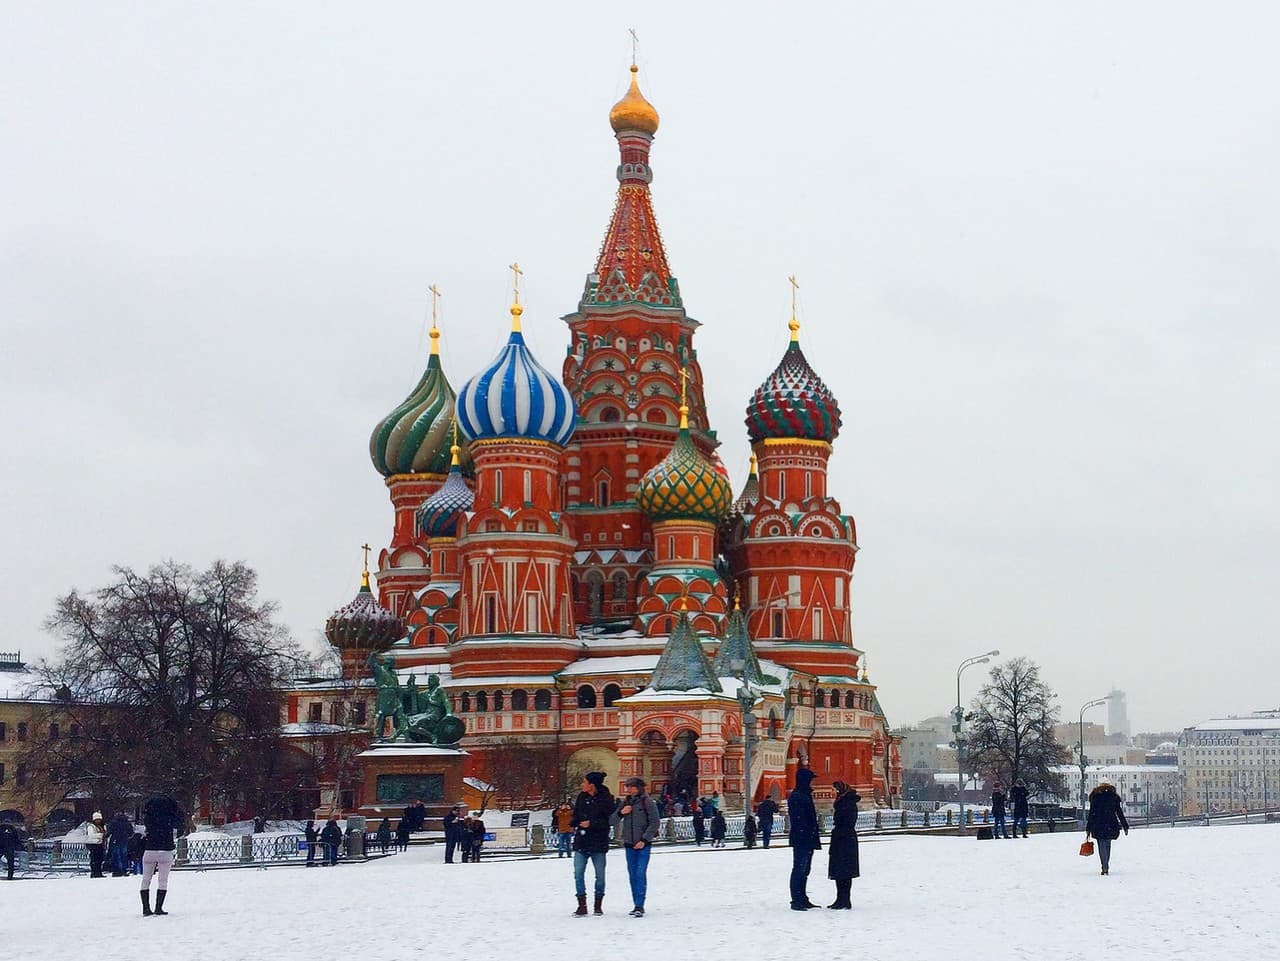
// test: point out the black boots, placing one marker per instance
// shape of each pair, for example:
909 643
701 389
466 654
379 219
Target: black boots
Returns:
582 907
146 903
599 904
160 902
636 913
843 887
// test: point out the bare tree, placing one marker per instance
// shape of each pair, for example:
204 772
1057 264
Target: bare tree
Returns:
173 680
522 771
1012 733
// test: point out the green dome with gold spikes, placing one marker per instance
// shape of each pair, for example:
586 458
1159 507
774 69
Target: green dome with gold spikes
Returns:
684 485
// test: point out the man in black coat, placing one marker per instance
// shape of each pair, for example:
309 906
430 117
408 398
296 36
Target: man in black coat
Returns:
592 810
998 823
452 831
802 837
10 841
1020 807
119 831
767 811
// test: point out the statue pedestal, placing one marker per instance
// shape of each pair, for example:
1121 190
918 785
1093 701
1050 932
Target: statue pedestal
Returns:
397 774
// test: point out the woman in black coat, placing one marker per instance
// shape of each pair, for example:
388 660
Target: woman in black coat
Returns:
842 852
1106 819
699 826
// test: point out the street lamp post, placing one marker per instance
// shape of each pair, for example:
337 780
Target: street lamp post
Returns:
958 726
746 701
1096 702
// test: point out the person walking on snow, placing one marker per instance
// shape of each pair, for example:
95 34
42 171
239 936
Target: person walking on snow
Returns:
1019 795
591 812
699 826
718 830
997 811
564 830
803 837
767 810
1105 821
842 852
637 818
163 819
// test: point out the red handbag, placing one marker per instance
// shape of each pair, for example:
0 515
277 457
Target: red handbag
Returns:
1086 849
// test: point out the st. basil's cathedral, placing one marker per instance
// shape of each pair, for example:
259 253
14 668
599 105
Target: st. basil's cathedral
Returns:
568 557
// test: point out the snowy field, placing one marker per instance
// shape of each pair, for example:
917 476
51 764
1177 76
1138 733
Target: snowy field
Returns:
1188 894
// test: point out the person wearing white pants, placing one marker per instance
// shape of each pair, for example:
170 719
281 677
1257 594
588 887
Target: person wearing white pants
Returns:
162 819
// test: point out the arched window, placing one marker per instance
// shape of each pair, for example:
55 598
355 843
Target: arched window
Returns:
611 693
497 701
819 698
775 726
542 700
620 586
519 701
595 593
602 493
466 702
482 701
850 700
586 696
610 415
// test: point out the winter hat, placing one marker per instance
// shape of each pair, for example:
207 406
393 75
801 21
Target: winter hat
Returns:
633 782
595 777
97 816
839 787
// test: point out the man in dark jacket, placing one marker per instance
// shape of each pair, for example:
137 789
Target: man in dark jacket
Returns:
592 810
10 842
802 837
312 834
331 838
1019 795
637 818
767 810
119 830
998 812
452 832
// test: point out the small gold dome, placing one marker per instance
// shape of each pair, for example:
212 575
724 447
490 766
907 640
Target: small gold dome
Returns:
633 112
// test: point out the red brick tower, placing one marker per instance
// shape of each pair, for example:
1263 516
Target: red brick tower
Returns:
630 338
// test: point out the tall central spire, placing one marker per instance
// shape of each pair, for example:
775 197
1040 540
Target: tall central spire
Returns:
632 266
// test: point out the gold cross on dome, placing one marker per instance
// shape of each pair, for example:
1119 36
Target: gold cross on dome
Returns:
435 297
634 42
515 280
684 387
366 548
795 286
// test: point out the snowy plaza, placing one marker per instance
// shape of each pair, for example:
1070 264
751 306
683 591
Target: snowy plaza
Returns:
1188 893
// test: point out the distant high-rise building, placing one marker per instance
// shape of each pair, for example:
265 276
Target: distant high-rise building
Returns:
1117 714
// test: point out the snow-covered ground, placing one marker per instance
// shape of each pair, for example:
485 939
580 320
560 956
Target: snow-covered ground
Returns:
1188 894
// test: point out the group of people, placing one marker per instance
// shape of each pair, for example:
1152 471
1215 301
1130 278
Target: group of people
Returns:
148 854
463 834
999 807
326 840
116 843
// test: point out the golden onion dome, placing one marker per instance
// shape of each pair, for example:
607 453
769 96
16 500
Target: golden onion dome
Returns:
633 112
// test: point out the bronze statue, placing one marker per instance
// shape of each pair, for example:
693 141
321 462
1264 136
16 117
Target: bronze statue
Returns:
388 700
433 720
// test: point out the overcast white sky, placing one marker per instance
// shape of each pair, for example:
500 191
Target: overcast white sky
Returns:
1036 246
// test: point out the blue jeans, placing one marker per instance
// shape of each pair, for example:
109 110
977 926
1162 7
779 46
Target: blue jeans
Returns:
1000 827
1020 823
580 871
766 832
119 857
637 866
1104 853
801 861
564 843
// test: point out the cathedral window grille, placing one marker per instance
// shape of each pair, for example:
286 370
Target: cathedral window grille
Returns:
620 586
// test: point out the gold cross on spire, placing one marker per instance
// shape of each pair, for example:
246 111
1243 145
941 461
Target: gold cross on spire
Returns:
364 578
515 281
684 398
455 450
794 325
634 42
435 330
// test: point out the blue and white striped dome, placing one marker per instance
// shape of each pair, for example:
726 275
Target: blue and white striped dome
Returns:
515 397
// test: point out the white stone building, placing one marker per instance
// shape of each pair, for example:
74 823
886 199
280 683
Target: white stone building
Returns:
1138 785
1231 764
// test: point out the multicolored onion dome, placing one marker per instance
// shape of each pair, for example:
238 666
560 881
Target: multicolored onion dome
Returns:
439 514
633 112
684 485
793 402
415 437
516 397
364 624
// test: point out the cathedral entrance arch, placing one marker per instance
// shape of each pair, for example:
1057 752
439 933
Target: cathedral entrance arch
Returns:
684 763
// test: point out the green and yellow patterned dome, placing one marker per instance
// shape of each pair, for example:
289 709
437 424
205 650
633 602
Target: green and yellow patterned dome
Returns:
684 485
